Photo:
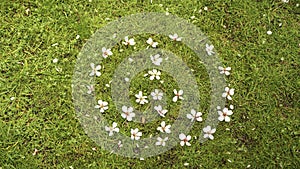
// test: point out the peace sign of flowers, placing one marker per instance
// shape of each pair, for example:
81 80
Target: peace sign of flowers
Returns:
128 112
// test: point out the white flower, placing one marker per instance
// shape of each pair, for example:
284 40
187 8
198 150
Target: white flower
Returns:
120 144
160 110
194 115
135 134
55 44
156 95
228 93
156 59
130 59
205 8
77 36
208 132
27 11
150 42
91 89
35 152
108 84
209 49
128 41
112 129
269 32
106 52
128 113
231 107
164 128
102 106
178 95
55 60
184 139
154 74
175 37
140 98
95 70
224 115
224 70
161 142
285 1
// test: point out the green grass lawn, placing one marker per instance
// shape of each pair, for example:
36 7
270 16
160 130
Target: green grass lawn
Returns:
36 106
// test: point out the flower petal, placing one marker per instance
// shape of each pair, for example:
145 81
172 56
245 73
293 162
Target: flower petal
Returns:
124 115
124 108
226 89
193 112
182 143
175 91
188 137
182 136
221 118
98 67
231 91
229 97
227 119
98 73
130 109
116 130
129 118
189 116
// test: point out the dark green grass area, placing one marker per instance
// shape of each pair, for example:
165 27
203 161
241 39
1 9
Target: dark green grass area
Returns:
264 129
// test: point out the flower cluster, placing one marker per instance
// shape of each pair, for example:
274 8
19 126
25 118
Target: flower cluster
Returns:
228 93
156 95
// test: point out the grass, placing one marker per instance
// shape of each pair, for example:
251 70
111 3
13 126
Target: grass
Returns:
263 133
